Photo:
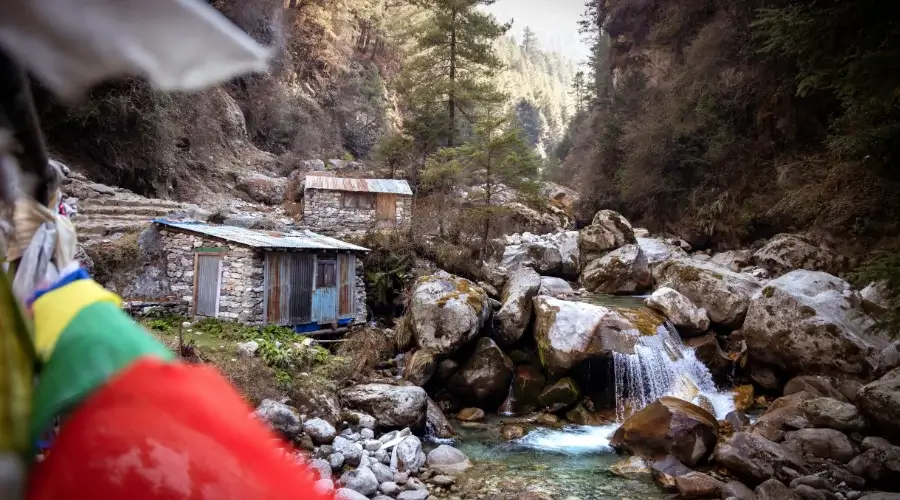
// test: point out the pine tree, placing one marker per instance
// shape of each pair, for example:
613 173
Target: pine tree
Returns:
529 41
579 89
455 61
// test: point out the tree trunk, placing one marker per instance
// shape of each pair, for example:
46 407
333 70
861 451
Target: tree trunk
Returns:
488 194
451 98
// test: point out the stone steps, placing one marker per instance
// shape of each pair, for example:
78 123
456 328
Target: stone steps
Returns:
104 211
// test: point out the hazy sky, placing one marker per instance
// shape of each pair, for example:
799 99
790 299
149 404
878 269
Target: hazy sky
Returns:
554 21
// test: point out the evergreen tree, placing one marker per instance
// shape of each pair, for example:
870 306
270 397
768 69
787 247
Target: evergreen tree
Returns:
529 120
579 89
529 41
455 61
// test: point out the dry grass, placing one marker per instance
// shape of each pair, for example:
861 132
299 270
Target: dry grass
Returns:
364 348
115 257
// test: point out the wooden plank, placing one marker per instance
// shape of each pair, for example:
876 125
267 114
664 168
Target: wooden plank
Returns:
347 273
386 208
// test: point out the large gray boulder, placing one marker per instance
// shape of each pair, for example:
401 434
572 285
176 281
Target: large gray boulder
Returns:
393 406
788 252
361 480
658 252
408 455
833 414
880 402
567 243
688 318
514 316
568 333
724 294
485 376
542 256
735 260
621 271
320 431
446 312
754 459
880 467
448 460
811 322
821 443
437 423
555 287
608 231
262 188
280 417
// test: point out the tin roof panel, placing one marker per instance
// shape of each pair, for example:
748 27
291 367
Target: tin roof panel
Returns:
295 240
393 186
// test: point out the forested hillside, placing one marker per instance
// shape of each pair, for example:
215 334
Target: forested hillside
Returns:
730 121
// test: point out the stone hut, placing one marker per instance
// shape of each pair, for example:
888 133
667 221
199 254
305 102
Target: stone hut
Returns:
339 206
298 279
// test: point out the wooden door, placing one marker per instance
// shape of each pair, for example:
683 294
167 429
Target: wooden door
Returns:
347 283
386 209
207 284
325 296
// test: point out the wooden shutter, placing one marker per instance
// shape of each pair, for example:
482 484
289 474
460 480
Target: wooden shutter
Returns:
347 267
386 208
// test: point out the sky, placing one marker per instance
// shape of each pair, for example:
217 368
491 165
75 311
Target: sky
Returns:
554 21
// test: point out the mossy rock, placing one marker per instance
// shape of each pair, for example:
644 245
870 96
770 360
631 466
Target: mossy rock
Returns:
559 396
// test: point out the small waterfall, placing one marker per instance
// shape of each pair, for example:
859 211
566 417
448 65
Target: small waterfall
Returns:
662 365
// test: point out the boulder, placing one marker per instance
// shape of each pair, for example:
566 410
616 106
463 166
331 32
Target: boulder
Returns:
880 467
247 349
709 352
559 396
485 376
738 490
348 494
669 426
408 455
735 260
262 188
352 452
689 319
470 415
810 322
783 415
322 468
815 385
789 252
754 459
437 422
567 243
512 431
743 397
634 468
621 271
665 471
880 402
361 480
528 385
359 420
724 294
737 420
697 485
555 287
420 367
568 333
324 487
657 251
445 369
447 312
320 431
821 443
608 231
280 417
876 296
774 489
515 315
833 414
542 256
393 406
448 461
584 414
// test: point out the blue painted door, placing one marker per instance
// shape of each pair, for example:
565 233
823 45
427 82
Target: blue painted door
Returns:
325 296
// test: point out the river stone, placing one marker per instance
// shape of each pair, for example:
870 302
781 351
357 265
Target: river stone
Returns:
634 468
408 454
448 461
774 489
608 231
324 487
734 260
336 460
352 452
669 426
821 443
880 402
568 333
743 397
443 481
470 415
446 312
528 385
689 319
737 420
542 256
737 489
361 480
348 494
280 417
555 287
754 459
622 271
247 349
389 488
322 468
816 385
724 294
420 367
382 472
789 252
658 251
709 352
392 406
665 471
811 322
783 415
366 434
697 485
486 375
437 422
415 484
320 431
583 415
833 414
514 316
512 431
413 495
880 467
559 396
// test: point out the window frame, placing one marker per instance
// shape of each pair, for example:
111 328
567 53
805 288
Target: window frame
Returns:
322 273
357 200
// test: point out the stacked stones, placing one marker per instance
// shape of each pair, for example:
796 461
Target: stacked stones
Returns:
323 212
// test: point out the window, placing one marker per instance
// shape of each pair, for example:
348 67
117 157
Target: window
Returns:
326 274
360 201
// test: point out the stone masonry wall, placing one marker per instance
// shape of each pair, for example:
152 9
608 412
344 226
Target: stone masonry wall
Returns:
361 312
324 213
241 296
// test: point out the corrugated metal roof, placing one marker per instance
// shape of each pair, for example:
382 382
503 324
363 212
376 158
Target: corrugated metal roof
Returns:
263 239
394 186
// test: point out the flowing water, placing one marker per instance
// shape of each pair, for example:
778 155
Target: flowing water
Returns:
573 462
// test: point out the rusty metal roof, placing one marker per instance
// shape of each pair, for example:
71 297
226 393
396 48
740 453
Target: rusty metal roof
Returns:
393 186
274 240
